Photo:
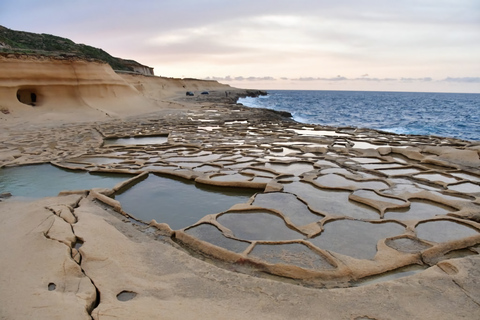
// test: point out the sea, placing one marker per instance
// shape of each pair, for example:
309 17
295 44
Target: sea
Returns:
455 115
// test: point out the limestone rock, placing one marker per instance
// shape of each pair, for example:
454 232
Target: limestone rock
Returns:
39 279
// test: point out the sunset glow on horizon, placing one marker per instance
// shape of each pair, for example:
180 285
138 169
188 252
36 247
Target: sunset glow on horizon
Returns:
371 45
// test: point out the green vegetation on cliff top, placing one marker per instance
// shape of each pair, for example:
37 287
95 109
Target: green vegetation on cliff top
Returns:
12 41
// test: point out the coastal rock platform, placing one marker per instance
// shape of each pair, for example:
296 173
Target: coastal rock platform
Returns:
333 211
239 213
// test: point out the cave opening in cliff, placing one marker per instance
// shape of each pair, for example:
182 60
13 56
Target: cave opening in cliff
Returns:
28 96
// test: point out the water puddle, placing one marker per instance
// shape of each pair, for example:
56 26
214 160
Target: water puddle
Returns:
209 233
335 170
466 187
261 179
443 231
240 165
407 244
336 181
461 253
367 160
231 177
207 168
154 167
210 128
391 275
357 239
178 202
466 176
319 133
200 158
126 296
290 253
296 169
378 201
436 177
288 205
453 197
259 173
403 186
326 163
137 140
284 151
367 145
78 244
375 166
258 225
419 210
187 164
97 160
398 172
46 180
235 122
330 201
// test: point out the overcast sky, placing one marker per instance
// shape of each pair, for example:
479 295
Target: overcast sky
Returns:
397 45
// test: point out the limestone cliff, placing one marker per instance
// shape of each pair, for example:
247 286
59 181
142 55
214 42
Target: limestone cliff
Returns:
38 88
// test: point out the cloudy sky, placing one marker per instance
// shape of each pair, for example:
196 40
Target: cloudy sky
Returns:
397 45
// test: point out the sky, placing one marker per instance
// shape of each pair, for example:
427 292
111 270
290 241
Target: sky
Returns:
374 45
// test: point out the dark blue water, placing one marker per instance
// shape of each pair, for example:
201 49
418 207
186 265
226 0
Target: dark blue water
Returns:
442 114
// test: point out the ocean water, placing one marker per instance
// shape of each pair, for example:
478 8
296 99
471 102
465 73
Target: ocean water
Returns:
454 115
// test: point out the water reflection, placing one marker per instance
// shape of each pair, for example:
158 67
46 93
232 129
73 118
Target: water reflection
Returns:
178 202
46 180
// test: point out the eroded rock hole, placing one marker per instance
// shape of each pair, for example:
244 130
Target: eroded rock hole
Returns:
28 96
78 243
52 286
126 295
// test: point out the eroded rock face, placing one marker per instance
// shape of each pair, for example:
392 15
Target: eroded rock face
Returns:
46 89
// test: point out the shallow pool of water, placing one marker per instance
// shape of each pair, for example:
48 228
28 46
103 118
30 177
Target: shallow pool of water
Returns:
178 202
46 180
137 140
330 201
209 233
391 275
289 206
419 210
332 180
311 132
357 239
258 225
436 177
443 231
465 187
290 253
296 168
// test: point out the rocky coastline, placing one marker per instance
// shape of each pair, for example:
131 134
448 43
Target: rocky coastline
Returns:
335 215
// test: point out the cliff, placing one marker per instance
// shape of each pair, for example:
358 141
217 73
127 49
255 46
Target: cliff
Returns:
41 88
12 41
49 78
